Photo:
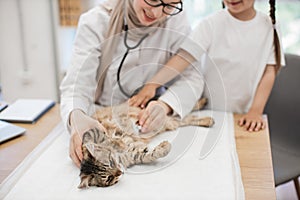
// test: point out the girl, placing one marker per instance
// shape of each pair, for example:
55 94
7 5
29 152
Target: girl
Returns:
243 45
128 35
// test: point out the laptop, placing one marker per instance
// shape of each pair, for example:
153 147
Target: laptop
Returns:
9 131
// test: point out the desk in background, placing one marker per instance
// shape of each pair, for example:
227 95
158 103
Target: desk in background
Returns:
253 150
13 152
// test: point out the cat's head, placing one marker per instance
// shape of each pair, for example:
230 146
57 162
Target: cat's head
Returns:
99 167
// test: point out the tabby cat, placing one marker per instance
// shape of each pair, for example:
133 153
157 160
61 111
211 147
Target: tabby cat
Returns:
106 154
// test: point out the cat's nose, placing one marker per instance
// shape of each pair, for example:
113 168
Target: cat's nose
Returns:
119 173
121 168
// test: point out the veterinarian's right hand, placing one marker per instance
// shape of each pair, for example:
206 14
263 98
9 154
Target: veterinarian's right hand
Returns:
143 96
154 116
80 123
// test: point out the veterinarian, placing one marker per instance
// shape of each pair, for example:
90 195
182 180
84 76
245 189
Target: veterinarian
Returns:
118 46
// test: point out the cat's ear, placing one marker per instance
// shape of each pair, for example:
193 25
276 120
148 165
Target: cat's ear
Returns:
91 149
84 182
103 157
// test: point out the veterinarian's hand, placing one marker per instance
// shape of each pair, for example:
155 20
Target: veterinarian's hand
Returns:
252 122
154 116
80 123
143 96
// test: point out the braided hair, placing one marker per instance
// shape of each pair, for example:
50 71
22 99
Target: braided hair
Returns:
276 38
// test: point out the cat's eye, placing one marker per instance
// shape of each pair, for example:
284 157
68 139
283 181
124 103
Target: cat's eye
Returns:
105 165
109 179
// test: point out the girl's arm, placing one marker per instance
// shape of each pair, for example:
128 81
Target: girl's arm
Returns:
171 69
253 121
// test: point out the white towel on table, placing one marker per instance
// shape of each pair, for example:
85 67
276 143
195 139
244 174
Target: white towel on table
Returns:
48 173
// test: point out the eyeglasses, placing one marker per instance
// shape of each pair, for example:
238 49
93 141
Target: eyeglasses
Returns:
168 8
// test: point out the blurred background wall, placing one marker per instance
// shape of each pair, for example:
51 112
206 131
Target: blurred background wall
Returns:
35 47
27 60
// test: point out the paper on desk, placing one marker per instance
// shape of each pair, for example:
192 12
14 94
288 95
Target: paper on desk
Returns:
181 175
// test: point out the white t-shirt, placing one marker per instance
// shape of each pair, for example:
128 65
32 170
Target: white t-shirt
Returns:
237 54
79 85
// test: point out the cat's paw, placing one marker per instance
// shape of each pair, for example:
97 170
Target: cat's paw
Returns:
207 122
165 145
162 149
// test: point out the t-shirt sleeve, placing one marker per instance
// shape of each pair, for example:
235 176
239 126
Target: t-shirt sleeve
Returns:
199 40
182 95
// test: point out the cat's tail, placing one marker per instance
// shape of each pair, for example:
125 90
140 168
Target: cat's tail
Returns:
192 120
200 104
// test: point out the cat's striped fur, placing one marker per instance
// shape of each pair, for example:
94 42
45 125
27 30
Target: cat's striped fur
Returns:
107 153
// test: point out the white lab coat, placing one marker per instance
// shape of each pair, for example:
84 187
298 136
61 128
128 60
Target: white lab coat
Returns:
79 85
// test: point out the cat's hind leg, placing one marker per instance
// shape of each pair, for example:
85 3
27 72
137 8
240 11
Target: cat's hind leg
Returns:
142 155
159 151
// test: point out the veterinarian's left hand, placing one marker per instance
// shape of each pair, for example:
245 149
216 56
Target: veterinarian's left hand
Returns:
143 96
252 122
154 116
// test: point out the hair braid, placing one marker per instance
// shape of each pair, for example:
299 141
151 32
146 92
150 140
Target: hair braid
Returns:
276 38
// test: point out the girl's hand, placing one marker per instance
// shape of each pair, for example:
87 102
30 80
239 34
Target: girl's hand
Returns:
80 123
143 96
252 122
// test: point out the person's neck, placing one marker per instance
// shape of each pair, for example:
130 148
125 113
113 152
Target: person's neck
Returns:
245 15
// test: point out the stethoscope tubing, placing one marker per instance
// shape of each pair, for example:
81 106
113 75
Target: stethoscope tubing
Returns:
128 48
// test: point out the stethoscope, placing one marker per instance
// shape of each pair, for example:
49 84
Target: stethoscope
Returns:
159 90
128 48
